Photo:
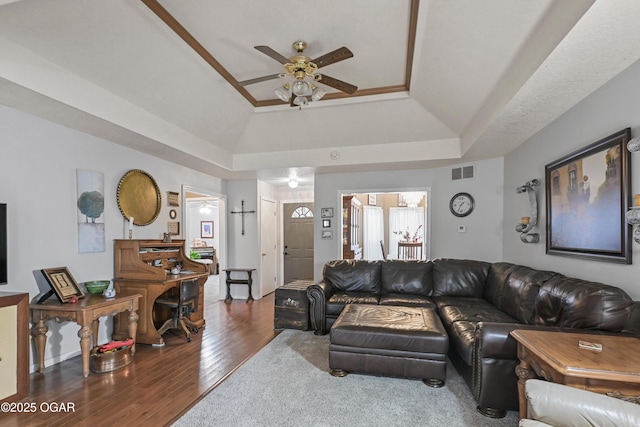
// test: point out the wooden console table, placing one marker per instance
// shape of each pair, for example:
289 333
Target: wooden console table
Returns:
85 313
556 357
248 281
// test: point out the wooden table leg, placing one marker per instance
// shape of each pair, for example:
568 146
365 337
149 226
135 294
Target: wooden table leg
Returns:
133 327
524 372
229 297
249 282
95 327
85 348
39 333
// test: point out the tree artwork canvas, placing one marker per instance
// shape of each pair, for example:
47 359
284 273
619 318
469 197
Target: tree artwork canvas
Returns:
90 211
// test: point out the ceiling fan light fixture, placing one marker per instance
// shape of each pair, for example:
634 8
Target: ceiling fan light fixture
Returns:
317 94
301 88
284 92
300 101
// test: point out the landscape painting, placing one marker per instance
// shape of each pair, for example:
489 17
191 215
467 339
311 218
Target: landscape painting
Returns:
587 196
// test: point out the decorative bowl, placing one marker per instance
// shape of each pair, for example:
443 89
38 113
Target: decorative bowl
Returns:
97 287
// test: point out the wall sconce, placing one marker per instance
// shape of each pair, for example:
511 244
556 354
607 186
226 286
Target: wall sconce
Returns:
528 222
633 214
633 218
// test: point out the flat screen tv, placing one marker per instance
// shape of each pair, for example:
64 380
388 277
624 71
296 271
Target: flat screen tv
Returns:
3 243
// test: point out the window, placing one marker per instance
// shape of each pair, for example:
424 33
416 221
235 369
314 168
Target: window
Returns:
302 212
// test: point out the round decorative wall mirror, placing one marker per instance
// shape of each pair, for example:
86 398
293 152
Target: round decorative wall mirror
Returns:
139 197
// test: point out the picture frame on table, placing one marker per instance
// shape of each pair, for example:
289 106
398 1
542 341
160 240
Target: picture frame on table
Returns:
206 229
587 197
62 283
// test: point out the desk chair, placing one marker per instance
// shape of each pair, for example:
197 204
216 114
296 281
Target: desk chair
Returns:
182 305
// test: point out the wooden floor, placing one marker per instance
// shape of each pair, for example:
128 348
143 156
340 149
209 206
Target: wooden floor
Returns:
161 383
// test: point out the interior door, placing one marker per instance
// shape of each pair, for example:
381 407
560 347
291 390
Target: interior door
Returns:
268 236
298 241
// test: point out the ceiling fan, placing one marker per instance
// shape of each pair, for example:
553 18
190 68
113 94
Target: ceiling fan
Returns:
302 68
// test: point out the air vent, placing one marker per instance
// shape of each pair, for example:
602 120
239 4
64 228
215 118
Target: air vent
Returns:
463 172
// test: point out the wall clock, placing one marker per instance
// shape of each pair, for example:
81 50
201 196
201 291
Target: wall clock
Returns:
461 204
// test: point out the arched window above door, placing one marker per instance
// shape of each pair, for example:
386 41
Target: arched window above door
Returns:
302 212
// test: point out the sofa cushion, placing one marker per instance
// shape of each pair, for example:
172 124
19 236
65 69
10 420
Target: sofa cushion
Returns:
576 303
349 275
480 313
457 301
514 288
461 337
407 300
406 277
336 303
461 278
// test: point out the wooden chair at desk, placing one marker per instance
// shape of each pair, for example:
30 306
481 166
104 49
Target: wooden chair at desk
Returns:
182 305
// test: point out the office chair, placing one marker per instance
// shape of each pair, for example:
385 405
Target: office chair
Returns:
182 305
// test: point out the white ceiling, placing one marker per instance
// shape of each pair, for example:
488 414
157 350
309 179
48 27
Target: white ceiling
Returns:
483 76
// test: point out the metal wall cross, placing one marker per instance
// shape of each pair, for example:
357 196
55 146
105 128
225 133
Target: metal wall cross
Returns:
243 213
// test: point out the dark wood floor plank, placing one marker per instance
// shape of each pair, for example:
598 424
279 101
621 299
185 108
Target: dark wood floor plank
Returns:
161 383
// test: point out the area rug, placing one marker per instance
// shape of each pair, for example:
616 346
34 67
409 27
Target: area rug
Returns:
287 383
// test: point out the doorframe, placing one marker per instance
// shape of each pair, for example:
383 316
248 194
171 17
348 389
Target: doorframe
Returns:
427 212
221 251
281 203
275 242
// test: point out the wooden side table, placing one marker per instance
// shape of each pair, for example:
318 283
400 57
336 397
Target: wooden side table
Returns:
85 313
230 281
557 357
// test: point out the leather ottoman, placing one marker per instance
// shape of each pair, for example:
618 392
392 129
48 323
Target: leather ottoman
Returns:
396 341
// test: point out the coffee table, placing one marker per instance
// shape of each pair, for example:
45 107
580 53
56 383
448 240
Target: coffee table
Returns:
557 357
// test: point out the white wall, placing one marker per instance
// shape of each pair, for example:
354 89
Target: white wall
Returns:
38 169
483 239
613 107
243 250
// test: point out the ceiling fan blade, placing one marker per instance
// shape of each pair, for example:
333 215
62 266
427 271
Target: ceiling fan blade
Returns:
337 55
258 80
272 54
338 84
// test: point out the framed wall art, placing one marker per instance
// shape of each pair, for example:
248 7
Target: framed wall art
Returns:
587 196
326 212
62 283
206 229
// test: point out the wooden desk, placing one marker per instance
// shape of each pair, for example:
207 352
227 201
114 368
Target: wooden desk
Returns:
149 317
556 357
230 281
85 313
144 267
409 250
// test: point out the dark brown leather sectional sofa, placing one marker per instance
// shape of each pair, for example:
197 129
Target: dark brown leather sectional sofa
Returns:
479 304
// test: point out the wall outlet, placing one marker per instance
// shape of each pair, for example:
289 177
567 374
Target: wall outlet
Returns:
462 229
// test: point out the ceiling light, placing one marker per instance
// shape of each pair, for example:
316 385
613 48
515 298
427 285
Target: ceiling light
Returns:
205 208
317 94
293 182
284 92
300 100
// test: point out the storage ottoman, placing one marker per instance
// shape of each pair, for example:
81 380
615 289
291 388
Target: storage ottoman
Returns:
407 342
292 306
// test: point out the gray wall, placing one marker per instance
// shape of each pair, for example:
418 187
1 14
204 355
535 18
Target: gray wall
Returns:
613 107
483 239
38 168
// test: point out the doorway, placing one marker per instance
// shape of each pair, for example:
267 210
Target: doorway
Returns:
392 224
203 207
298 241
